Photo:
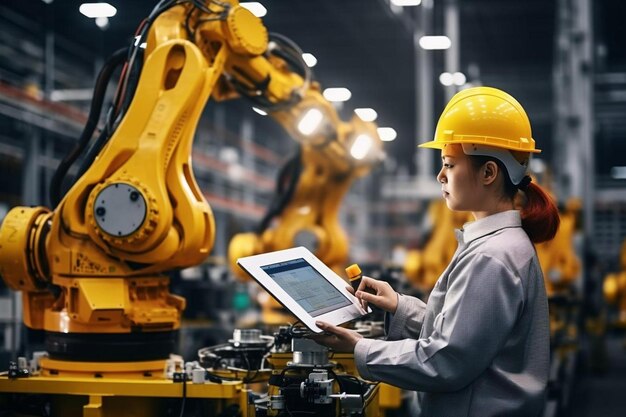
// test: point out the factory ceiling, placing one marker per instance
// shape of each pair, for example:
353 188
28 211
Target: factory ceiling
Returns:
364 46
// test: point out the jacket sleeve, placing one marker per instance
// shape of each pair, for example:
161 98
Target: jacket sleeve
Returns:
407 321
483 301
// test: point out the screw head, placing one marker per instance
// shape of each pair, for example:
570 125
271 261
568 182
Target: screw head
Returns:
134 196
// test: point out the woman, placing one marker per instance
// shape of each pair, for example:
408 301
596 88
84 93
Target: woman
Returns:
480 346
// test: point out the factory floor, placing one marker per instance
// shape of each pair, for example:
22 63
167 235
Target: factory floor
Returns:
600 387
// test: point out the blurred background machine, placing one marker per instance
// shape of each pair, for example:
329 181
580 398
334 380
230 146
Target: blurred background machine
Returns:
614 290
424 266
270 185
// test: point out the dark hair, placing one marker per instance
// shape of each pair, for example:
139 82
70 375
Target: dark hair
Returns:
540 215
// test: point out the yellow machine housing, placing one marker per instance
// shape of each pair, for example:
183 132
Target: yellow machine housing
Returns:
614 289
137 211
558 259
423 267
92 271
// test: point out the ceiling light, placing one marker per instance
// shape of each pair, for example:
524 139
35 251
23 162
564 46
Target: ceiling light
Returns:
309 59
102 22
228 154
337 94
255 7
361 146
446 79
618 173
84 94
406 3
459 78
259 111
310 121
537 165
94 10
435 42
366 114
387 134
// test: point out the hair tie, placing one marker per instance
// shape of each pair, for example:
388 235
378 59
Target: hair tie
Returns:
524 182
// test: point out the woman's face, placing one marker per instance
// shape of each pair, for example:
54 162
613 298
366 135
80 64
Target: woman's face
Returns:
457 177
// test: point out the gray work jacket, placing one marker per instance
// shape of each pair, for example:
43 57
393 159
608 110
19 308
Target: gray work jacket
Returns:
480 346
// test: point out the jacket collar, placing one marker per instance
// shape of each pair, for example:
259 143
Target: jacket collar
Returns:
490 224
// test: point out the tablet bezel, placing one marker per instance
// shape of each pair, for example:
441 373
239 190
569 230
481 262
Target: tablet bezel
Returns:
252 265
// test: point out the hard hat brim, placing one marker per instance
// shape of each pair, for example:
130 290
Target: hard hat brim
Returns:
440 144
433 144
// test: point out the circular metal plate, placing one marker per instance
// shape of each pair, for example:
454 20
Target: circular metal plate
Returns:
120 209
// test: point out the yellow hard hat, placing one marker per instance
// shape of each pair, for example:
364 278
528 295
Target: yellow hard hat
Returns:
484 116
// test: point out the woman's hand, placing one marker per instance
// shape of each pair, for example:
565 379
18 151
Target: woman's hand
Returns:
340 339
379 293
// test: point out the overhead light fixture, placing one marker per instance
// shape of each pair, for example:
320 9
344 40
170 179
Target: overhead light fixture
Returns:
387 134
435 42
310 121
446 79
259 111
459 78
618 173
366 114
361 146
229 155
94 10
337 94
309 59
538 166
102 22
406 3
79 94
255 7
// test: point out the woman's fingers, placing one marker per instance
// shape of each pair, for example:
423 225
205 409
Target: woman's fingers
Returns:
329 328
361 302
336 338
367 282
367 297
322 325
381 300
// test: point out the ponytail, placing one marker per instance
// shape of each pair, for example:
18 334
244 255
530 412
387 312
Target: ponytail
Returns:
540 216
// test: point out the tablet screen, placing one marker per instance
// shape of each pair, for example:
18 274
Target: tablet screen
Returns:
306 286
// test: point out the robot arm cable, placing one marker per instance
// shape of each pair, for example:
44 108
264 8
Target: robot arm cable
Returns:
291 170
92 121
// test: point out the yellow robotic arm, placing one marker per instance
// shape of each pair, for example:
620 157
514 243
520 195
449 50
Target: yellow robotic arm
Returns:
94 266
311 186
614 289
423 267
558 259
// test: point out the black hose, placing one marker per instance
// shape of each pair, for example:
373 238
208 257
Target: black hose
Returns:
291 170
102 82
290 47
92 152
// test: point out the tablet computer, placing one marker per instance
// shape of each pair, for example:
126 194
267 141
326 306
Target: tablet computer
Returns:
304 285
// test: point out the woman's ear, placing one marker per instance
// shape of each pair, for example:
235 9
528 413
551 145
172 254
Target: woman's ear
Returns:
489 172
